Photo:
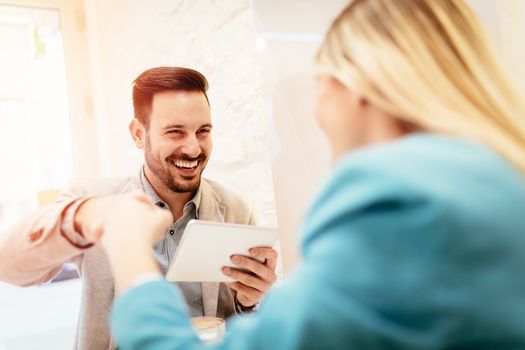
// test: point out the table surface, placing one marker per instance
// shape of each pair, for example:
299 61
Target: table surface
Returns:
42 317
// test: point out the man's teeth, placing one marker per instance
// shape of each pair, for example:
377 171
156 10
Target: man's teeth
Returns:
188 165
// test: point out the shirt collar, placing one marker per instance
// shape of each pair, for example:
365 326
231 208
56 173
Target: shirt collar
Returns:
196 200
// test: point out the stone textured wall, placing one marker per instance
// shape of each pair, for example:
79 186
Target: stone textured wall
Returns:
214 37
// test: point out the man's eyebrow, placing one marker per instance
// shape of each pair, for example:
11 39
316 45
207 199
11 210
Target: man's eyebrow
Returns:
180 126
173 126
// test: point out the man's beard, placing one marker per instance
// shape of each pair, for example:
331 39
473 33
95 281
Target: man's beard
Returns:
162 171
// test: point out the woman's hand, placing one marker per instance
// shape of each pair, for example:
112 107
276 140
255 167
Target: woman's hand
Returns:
134 220
133 226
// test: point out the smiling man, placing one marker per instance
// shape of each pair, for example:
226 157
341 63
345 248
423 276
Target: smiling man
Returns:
172 125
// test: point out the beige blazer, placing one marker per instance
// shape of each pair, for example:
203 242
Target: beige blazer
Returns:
34 250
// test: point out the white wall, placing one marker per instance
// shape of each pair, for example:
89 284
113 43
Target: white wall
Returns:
511 15
214 37
504 21
289 33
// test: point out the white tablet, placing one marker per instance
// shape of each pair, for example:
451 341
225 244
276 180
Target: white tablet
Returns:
206 247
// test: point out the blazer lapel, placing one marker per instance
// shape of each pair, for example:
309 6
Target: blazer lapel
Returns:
133 183
210 209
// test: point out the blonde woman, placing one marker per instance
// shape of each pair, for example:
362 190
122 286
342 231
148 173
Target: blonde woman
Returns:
417 240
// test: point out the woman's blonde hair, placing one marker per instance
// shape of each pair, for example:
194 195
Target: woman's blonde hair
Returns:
429 64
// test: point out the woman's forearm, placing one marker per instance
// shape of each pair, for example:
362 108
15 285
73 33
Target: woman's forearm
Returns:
129 263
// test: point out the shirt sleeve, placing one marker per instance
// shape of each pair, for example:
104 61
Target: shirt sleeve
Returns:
241 309
68 226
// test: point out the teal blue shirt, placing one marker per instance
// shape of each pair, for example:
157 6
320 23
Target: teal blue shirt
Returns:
414 244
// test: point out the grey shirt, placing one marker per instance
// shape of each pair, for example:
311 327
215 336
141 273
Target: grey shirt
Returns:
166 248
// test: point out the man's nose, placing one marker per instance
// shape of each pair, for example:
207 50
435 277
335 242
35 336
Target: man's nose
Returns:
191 147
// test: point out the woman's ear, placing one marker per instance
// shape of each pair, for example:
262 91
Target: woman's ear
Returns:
137 130
361 100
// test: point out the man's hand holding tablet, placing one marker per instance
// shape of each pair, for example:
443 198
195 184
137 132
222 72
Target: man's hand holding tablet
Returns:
255 278
240 255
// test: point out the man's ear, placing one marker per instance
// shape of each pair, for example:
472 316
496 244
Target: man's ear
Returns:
138 132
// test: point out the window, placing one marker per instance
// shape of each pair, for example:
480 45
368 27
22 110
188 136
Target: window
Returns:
35 133
36 158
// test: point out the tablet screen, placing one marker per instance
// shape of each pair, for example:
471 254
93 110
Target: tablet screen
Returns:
206 247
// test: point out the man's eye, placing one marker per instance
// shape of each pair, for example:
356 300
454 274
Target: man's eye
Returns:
204 131
174 131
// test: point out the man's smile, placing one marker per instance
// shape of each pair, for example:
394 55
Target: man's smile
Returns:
185 167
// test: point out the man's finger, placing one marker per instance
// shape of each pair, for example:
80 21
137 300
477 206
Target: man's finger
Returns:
246 279
255 266
269 254
245 295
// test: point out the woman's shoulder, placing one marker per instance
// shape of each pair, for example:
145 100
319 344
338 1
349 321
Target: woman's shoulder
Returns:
419 174
428 162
